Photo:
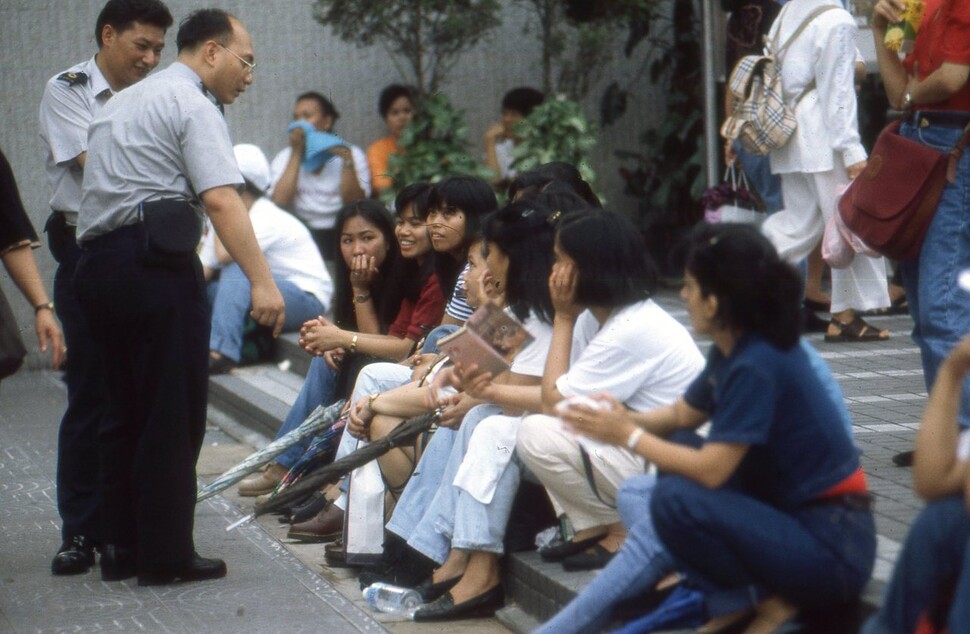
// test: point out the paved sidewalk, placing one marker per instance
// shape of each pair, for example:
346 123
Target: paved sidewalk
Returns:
267 589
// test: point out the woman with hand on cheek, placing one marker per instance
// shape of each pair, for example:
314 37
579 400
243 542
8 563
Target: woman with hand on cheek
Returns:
384 284
770 515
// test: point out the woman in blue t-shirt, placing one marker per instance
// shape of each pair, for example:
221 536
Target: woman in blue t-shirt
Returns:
770 515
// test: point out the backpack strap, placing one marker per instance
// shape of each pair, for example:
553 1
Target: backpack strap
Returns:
775 49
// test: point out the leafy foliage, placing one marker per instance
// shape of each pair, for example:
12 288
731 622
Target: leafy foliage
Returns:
434 145
428 34
578 49
556 130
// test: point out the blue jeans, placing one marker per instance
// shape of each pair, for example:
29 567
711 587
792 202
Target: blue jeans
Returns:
319 388
937 549
637 567
457 516
940 309
230 297
739 550
413 517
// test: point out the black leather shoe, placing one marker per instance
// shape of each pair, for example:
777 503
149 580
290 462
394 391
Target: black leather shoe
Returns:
401 565
558 551
429 590
444 608
117 563
904 458
315 504
75 557
591 559
199 569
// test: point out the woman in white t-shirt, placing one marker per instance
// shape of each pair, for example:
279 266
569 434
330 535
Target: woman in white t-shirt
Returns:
608 336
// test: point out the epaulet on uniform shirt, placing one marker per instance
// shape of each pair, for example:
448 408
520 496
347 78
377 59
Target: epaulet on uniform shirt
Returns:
74 78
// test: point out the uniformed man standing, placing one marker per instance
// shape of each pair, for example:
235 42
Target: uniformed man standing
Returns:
155 150
130 35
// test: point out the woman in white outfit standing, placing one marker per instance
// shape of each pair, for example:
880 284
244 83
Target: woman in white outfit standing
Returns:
822 156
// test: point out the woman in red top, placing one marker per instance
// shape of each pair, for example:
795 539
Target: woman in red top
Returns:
930 86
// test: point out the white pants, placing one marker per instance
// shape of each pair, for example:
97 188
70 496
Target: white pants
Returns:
810 200
552 454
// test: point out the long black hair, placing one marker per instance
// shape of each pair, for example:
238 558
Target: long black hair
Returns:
536 179
615 268
386 294
756 290
475 198
525 231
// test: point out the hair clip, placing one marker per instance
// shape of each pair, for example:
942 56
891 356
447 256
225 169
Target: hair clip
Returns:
553 218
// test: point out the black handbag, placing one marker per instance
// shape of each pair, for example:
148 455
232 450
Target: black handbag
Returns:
12 350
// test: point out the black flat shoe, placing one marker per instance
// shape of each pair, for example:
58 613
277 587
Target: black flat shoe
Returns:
444 608
117 563
429 590
307 511
400 565
199 569
560 550
591 559
904 458
75 557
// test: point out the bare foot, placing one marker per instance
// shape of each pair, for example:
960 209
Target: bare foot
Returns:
453 567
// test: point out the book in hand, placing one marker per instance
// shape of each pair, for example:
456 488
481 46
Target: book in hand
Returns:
489 339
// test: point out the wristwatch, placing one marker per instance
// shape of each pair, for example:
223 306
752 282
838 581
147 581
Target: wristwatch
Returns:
39 307
360 299
907 101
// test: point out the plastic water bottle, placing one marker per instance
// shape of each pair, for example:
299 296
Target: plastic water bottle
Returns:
391 599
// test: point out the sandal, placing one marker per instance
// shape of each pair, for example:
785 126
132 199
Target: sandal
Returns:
856 330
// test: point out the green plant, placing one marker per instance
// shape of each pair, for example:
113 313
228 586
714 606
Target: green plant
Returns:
428 35
578 50
434 146
556 130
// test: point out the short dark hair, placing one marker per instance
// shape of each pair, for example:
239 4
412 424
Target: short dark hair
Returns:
417 194
615 268
756 290
537 178
522 100
203 25
326 107
524 231
392 93
121 14
475 198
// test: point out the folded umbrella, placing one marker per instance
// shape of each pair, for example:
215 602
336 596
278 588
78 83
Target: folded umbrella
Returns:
319 419
330 473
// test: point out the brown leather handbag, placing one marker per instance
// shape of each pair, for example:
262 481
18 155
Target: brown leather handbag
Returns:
891 204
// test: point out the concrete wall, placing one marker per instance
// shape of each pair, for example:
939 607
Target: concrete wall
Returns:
39 38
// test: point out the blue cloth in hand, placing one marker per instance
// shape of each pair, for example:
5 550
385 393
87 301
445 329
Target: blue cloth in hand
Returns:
318 145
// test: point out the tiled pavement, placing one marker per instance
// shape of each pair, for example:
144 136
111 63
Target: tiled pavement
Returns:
269 589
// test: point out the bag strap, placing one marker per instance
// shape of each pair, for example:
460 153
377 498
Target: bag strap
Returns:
588 468
801 27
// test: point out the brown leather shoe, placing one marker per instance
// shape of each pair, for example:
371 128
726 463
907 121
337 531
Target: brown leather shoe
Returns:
327 526
263 483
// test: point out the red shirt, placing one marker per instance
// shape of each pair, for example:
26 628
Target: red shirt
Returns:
944 36
416 318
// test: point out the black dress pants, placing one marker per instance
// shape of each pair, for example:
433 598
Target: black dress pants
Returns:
78 495
151 321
